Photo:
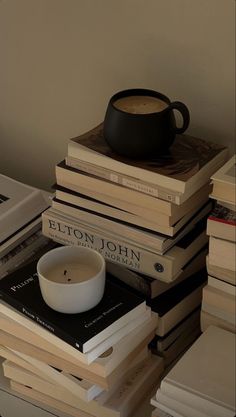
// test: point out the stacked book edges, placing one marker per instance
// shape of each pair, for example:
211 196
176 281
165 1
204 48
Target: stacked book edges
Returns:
219 296
20 223
202 383
96 363
148 216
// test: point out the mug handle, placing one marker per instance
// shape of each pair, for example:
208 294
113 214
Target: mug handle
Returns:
177 105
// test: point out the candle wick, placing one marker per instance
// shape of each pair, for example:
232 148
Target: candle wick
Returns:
65 272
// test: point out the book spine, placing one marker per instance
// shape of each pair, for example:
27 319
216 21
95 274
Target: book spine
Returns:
41 321
67 232
124 180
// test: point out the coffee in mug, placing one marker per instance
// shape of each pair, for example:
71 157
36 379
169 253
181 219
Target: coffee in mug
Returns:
140 104
140 123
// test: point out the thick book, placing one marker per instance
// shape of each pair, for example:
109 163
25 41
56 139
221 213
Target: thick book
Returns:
204 378
19 204
186 166
221 273
168 267
222 223
219 299
222 285
83 331
222 253
224 182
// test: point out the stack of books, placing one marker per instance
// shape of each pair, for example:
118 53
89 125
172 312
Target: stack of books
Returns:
93 363
219 296
202 383
148 219
147 216
20 223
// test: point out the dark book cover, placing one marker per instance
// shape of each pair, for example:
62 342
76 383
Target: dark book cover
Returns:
185 158
223 215
21 290
164 302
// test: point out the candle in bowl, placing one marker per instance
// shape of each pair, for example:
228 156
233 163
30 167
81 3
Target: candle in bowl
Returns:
71 278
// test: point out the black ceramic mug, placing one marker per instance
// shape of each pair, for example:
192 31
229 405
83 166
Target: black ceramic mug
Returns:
140 123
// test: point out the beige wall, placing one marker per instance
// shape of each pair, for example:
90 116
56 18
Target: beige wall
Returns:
61 60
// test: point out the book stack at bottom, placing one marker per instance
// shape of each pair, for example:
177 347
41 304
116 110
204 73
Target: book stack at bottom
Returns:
202 383
94 363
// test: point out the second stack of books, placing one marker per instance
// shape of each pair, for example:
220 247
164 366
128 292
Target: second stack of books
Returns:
219 296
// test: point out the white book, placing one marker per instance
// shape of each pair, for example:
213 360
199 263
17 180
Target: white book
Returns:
204 377
19 204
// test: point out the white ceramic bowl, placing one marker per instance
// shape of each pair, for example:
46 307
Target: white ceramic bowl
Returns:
71 296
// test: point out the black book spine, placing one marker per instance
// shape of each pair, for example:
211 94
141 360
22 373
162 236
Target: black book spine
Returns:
41 321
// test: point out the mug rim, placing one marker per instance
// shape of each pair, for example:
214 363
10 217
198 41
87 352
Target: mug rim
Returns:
138 92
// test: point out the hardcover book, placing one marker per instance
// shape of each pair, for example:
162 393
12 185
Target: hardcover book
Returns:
19 204
83 331
184 168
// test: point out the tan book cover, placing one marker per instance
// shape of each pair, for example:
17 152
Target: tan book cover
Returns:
204 378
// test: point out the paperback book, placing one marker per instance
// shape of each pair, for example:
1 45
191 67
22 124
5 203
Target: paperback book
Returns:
83 331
